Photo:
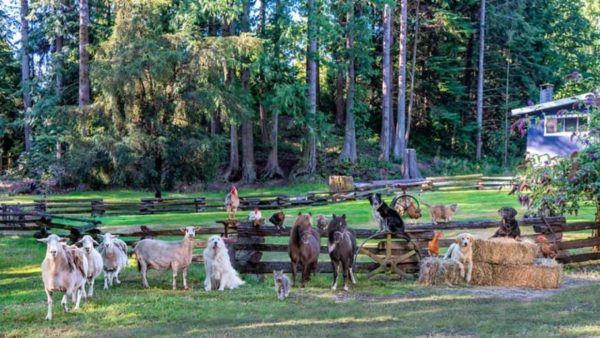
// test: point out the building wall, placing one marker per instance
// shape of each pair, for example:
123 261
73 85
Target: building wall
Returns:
537 143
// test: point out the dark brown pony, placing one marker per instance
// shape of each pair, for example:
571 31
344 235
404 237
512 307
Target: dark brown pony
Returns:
341 244
304 247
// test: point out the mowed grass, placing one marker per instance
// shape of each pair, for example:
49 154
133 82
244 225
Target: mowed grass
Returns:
374 307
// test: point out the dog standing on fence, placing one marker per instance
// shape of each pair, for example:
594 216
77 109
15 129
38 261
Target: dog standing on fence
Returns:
462 253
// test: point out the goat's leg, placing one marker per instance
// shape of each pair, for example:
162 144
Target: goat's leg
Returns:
144 271
83 293
174 267
79 292
49 296
105 280
91 288
335 275
184 275
63 303
116 274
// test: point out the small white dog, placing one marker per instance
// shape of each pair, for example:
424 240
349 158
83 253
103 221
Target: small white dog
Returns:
219 272
462 253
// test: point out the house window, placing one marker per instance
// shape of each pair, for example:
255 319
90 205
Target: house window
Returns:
565 125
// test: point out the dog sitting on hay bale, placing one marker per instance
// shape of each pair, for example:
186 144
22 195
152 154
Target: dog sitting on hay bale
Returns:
501 262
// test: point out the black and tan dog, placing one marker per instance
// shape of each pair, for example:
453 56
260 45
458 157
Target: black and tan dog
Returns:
388 218
509 227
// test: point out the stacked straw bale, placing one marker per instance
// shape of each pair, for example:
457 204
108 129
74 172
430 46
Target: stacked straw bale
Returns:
496 262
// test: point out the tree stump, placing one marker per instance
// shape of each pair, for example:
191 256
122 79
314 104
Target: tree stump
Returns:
409 166
341 183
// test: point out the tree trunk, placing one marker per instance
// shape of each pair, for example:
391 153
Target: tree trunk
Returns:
311 153
339 94
506 113
59 64
264 135
480 81
248 165
272 169
233 168
596 233
399 144
413 66
25 73
386 126
84 59
349 148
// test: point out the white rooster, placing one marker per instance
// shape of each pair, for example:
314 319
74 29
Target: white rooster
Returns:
255 216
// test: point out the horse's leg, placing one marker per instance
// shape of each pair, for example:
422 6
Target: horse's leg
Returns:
345 274
335 275
305 273
294 273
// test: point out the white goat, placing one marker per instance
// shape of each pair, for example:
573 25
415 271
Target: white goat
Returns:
64 269
163 255
114 257
95 263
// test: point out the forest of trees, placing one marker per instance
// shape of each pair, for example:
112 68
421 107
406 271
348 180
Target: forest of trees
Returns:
154 93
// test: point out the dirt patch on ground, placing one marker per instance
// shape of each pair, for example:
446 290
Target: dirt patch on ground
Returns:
568 282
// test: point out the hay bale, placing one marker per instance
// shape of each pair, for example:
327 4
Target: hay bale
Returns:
504 251
438 271
542 275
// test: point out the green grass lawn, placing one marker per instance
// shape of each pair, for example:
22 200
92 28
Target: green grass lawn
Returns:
376 307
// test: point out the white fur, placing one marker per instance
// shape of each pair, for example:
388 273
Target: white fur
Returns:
219 271
462 253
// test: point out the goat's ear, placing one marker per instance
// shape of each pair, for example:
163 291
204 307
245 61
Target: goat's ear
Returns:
299 213
182 230
197 228
344 216
333 215
63 240
310 214
43 240
78 242
274 272
93 241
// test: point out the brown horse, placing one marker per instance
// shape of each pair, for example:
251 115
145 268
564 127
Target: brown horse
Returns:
341 244
304 247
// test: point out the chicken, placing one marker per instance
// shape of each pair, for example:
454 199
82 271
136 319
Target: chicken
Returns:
321 222
277 219
255 215
413 212
549 250
232 203
434 246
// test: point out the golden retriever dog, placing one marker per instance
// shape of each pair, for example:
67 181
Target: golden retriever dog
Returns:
462 253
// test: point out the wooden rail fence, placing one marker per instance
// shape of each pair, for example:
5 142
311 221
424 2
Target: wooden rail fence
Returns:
101 207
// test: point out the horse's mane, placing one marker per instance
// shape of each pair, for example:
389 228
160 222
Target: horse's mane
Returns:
337 224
